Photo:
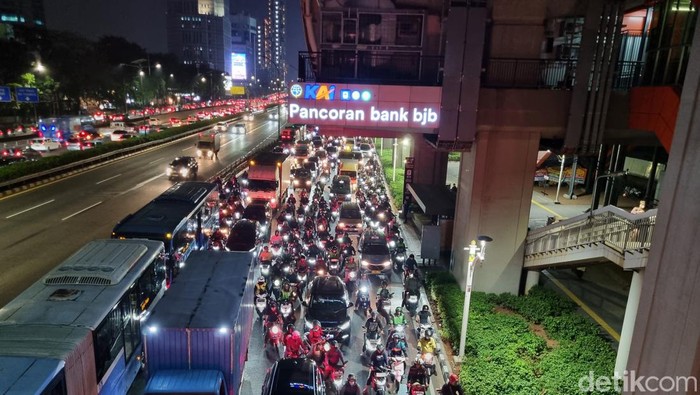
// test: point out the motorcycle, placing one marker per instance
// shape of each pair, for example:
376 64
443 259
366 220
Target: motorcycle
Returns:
265 267
334 266
287 310
398 369
372 339
260 304
363 301
417 389
398 257
337 377
428 362
412 303
350 280
316 351
378 386
273 338
421 329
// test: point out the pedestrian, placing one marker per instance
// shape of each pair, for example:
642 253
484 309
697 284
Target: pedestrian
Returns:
452 387
454 188
406 207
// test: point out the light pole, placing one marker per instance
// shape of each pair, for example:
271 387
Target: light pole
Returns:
475 252
595 188
396 144
561 175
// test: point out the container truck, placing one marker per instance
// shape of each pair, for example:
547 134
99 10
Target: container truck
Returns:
268 178
196 339
208 145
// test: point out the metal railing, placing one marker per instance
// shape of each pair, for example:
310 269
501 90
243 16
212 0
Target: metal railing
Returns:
551 74
611 226
370 67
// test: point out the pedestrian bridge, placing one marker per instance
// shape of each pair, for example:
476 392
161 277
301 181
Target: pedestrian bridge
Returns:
609 234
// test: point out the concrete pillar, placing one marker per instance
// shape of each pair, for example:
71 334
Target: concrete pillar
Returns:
623 349
494 197
667 331
431 165
532 279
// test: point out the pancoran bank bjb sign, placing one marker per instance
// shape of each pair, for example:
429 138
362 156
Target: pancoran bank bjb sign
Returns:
416 107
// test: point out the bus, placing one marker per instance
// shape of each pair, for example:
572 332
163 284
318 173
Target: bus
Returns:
181 217
78 329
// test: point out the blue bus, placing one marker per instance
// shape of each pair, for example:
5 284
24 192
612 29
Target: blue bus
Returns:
78 329
181 217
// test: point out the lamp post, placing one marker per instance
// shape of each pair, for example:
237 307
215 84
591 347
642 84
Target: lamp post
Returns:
595 188
476 251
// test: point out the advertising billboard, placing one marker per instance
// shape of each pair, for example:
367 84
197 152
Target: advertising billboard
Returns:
238 66
391 106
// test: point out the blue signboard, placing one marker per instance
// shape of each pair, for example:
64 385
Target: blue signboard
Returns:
27 95
5 95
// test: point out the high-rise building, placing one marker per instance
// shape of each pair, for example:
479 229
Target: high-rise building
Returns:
276 13
199 32
15 13
244 40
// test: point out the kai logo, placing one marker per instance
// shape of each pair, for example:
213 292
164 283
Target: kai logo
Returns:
296 91
319 92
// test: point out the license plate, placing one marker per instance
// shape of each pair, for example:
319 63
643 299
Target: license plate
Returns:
329 336
376 272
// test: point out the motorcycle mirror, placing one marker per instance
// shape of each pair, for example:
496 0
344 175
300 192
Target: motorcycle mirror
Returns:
303 303
350 305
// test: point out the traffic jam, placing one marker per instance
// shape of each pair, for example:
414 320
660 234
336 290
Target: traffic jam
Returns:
330 254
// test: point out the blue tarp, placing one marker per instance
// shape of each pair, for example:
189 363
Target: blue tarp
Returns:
185 382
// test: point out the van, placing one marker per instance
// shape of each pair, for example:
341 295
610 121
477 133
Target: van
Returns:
349 168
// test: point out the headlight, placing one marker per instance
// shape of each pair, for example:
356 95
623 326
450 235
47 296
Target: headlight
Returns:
273 200
184 172
199 152
349 195
296 182
364 263
345 326
364 290
308 182
308 325
352 275
341 225
277 282
392 244
265 271
387 263
275 330
210 153
168 171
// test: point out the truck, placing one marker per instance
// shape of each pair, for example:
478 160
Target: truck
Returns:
196 338
208 144
62 128
269 178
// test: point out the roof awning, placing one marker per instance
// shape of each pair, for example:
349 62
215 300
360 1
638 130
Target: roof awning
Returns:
434 199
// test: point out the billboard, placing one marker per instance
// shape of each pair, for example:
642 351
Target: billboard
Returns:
237 90
238 66
391 106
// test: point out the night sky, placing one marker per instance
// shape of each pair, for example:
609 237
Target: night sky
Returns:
143 21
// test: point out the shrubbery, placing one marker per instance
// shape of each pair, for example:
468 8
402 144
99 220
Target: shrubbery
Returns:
504 355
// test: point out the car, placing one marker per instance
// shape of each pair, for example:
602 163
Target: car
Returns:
278 150
243 236
350 217
332 151
341 187
154 121
240 128
44 144
273 115
311 166
248 117
294 376
365 149
321 155
258 211
74 144
301 178
301 152
175 122
327 300
121 135
11 160
221 126
89 135
182 167
375 255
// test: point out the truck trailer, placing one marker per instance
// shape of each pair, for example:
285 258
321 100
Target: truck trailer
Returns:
196 339
62 128
269 178
208 145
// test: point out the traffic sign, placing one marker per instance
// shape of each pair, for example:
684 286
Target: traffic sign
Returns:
27 95
5 94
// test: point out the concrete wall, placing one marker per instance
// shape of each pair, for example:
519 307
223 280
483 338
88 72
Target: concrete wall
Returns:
494 198
431 165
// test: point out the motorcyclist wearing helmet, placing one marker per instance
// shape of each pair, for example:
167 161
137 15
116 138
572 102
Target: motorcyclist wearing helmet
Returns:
276 239
400 245
411 264
423 316
350 387
398 318
417 373
271 316
286 293
333 253
373 326
397 346
302 265
315 335
383 291
265 254
261 286
333 360
294 346
378 361
427 344
452 387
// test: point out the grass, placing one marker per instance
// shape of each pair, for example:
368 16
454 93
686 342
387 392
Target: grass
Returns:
395 186
454 156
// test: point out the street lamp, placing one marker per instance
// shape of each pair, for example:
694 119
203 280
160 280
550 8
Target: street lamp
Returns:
40 68
476 251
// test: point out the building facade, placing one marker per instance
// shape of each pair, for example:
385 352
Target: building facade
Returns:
18 13
244 40
199 33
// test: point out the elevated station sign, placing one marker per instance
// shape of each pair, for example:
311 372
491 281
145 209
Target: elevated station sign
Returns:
381 106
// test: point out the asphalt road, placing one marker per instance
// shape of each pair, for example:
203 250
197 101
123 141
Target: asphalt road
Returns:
43 226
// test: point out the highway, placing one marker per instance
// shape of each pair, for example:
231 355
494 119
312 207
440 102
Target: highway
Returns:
44 225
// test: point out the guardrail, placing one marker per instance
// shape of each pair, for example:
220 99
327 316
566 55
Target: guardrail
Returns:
610 225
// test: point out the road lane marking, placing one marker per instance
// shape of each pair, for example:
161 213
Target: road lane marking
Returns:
139 185
186 149
243 135
538 204
30 208
154 161
606 327
107 179
81 211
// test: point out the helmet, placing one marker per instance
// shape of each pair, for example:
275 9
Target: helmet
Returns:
316 324
351 378
373 315
302 256
417 360
426 308
286 286
453 378
290 328
384 284
261 280
395 336
397 311
428 334
277 233
266 248
380 346
333 343
400 239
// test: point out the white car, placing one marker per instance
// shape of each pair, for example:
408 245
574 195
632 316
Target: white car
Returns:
240 128
273 115
221 126
248 117
44 144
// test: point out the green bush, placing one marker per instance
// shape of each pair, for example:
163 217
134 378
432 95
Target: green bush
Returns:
503 354
395 187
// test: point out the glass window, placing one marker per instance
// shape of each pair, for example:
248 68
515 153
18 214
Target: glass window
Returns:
370 29
350 31
108 341
330 27
409 29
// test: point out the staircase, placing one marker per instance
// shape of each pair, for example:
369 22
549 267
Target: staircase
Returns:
607 234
